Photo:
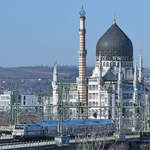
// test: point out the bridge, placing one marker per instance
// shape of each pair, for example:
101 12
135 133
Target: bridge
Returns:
131 142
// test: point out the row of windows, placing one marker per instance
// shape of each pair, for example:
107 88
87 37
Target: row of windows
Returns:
93 96
110 64
93 103
96 104
4 108
102 112
4 103
4 97
127 95
93 87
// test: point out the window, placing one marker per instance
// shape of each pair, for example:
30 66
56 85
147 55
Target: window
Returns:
117 64
114 64
96 96
96 87
93 103
93 95
93 87
89 87
107 64
89 103
104 64
110 63
24 102
96 103
89 96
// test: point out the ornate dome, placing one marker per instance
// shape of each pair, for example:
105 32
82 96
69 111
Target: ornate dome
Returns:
114 42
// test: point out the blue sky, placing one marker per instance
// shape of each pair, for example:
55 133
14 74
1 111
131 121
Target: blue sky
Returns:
41 32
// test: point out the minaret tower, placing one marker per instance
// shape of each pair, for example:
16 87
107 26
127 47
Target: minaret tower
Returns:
140 69
135 79
82 80
55 74
55 86
120 99
135 97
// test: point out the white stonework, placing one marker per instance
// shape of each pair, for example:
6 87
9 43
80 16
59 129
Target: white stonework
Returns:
106 91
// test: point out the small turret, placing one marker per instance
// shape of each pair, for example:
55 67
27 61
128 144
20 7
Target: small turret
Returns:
55 73
135 78
120 99
140 70
114 21
100 69
55 77
120 75
55 93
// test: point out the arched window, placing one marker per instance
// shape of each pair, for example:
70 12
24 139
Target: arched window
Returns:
110 63
93 103
114 64
117 64
96 103
104 64
107 64
89 103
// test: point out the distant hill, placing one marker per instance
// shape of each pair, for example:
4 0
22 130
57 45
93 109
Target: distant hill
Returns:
32 79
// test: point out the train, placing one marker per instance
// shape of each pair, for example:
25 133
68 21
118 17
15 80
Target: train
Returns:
49 128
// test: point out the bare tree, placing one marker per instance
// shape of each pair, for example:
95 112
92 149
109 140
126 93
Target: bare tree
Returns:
91 142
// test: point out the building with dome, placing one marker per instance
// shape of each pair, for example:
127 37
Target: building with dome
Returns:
115 88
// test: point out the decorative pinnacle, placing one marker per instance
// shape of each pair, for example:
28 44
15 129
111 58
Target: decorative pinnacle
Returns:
114 20
82 12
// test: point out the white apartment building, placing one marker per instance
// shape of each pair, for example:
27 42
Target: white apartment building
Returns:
5 101
29 100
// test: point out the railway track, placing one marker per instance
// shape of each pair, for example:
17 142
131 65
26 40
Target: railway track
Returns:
6 140
25 143
11 143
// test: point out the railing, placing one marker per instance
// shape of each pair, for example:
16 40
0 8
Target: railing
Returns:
48 143
26 144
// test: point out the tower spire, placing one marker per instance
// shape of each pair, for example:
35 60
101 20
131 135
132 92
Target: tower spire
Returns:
140 69
82 12
55 73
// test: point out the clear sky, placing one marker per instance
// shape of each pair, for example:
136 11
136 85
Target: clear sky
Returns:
41 32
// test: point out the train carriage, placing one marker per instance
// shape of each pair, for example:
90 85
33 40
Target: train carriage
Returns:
33 131
18 131
49 128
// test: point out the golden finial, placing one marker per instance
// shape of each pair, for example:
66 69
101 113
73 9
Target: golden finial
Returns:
114 20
